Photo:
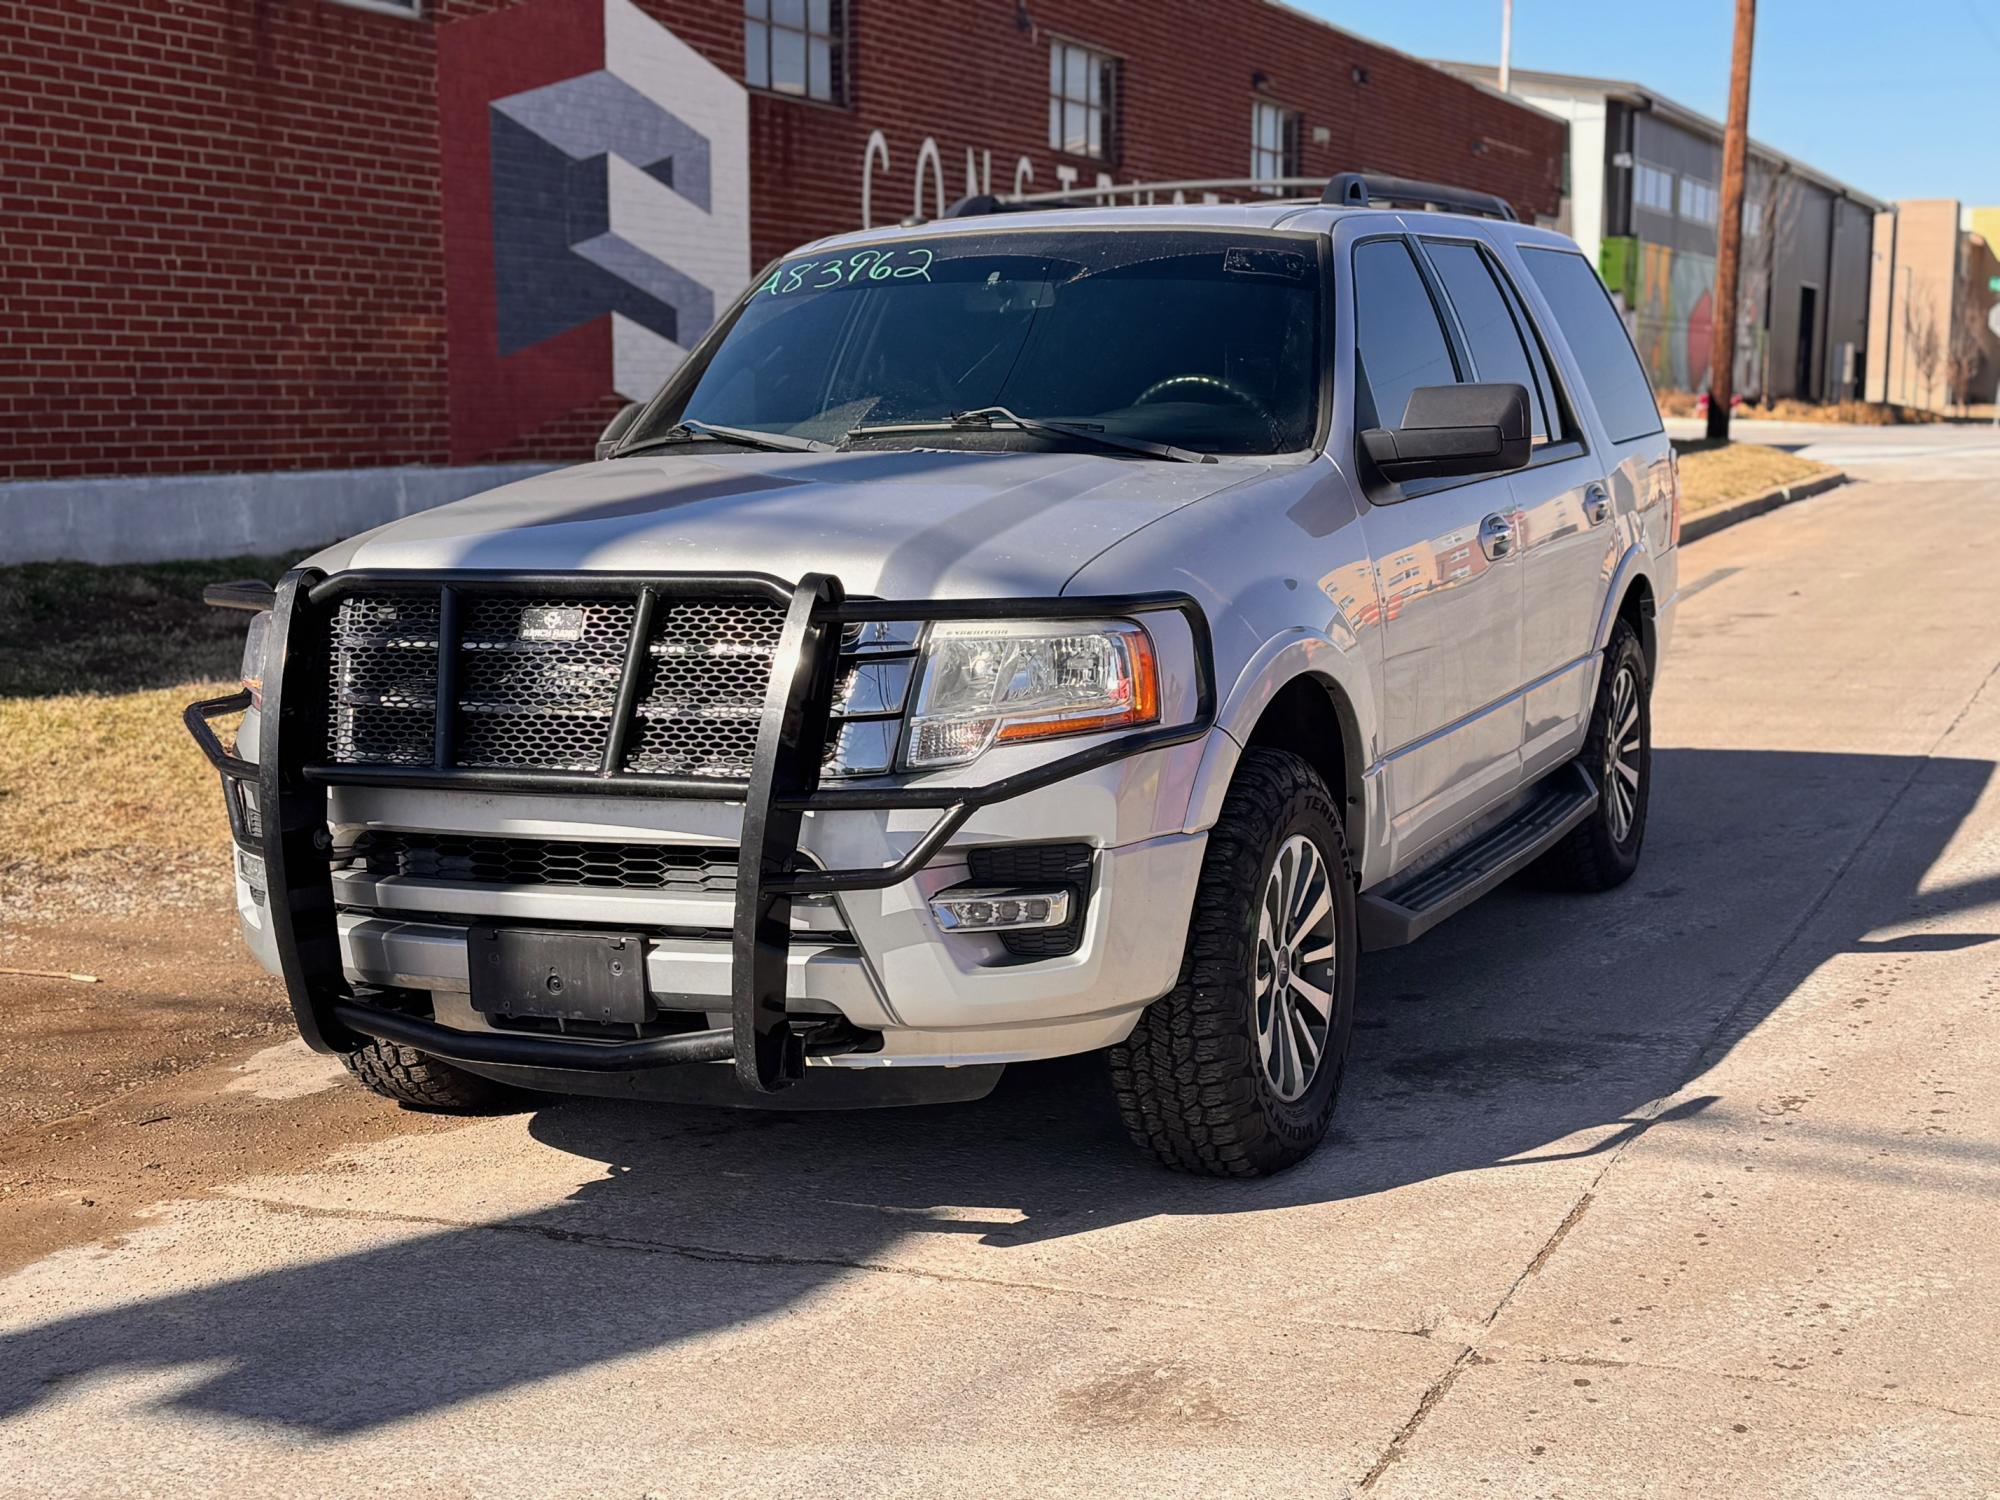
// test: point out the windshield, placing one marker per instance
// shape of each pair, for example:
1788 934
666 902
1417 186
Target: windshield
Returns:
1203 339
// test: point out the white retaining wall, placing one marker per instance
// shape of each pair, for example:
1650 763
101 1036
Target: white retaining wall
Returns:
152 519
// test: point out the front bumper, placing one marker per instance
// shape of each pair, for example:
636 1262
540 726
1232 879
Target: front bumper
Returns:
815 953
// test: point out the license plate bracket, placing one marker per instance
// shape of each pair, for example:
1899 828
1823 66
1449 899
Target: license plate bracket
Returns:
564 975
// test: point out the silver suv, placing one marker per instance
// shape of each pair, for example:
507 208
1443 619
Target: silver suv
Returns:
1043 630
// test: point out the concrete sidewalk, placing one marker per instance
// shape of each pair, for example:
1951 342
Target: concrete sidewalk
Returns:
1687 1189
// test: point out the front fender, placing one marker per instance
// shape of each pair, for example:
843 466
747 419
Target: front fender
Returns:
1282 660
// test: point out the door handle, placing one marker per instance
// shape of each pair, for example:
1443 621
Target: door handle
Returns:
1596 504
1496 536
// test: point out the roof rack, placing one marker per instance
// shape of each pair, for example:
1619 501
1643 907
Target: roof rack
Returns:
1139 194
1373 189
1347 190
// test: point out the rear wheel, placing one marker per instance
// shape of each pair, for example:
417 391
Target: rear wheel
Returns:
424 1082
1603 850
1235 1072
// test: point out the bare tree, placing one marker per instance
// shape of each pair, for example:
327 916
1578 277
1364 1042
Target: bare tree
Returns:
1968 334
1923 344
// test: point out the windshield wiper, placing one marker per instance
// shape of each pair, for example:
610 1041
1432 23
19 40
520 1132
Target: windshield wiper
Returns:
686 431
985 416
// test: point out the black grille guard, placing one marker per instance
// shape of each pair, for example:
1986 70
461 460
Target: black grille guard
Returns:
292 777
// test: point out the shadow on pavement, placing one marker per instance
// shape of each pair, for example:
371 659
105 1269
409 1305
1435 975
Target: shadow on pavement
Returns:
1533 1028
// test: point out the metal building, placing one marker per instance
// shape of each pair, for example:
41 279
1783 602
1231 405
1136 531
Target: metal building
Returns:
1643 196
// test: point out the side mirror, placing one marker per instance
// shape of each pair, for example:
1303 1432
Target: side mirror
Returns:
1453 430
614 431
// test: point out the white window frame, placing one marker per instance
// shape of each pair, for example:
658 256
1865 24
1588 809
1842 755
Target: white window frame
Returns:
1697 201
403 10
1094 110
1274 151
1645 179
818 31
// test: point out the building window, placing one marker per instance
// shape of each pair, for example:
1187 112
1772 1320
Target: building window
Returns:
796 47
1274 142
1753 219
1699 200
1653 188
409 8
1083 88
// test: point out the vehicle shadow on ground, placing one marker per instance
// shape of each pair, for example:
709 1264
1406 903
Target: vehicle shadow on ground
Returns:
1534 1028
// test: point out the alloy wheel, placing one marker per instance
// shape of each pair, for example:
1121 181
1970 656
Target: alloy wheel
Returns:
1294 977
1622 755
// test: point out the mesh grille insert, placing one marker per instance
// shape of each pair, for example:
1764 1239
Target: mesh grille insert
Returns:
708 666
543 703
469 859
538 682
382 706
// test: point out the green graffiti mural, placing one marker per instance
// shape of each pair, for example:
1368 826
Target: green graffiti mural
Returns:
1669 300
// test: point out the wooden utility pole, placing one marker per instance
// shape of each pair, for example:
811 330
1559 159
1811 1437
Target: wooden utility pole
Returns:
1729 250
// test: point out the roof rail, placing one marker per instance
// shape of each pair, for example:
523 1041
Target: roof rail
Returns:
1369 189
1136 194
1348 190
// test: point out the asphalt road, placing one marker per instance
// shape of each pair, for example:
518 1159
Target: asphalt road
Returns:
1687 1189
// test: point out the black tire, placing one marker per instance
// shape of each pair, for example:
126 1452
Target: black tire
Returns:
1192 1082
1600 854
423 1082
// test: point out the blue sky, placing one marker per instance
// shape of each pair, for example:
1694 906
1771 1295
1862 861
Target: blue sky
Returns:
1901 100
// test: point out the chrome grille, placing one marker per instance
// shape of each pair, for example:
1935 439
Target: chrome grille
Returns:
538 679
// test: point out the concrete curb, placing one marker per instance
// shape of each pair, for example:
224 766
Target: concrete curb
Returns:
1720 517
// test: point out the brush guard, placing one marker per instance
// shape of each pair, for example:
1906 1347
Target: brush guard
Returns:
768 1049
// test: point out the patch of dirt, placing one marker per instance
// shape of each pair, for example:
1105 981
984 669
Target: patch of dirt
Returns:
177 1073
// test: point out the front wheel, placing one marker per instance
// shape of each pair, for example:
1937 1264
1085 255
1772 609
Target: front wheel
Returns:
1234 1073
424 1082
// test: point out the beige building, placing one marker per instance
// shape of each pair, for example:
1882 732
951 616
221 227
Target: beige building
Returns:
1934 277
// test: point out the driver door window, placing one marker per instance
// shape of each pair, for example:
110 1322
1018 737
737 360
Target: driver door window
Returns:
1451 615
1492 335
1399 343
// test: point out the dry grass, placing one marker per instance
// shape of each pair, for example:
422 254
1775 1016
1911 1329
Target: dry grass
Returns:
105 804
1850 413
1713 473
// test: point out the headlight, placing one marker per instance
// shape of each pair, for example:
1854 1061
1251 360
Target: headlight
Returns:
253 656
988 682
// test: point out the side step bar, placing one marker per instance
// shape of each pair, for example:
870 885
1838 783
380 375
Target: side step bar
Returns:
1403 912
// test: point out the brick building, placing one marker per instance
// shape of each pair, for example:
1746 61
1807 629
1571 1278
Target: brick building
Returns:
391 238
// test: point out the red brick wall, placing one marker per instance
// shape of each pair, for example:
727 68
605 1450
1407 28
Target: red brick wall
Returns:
218 238
222 247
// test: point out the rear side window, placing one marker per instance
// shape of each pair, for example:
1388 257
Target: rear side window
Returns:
1498 351
1597 337
1399 344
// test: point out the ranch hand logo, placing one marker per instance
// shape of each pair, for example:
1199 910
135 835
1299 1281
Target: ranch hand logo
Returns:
545 623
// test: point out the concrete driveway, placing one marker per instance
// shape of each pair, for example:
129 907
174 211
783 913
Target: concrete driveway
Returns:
1688 1189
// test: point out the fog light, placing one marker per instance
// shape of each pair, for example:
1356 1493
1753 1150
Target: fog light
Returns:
963 910
251 868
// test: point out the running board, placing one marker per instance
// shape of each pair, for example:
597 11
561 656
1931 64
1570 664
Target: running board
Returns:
1405 910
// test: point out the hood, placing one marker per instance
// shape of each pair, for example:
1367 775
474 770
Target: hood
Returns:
922 524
